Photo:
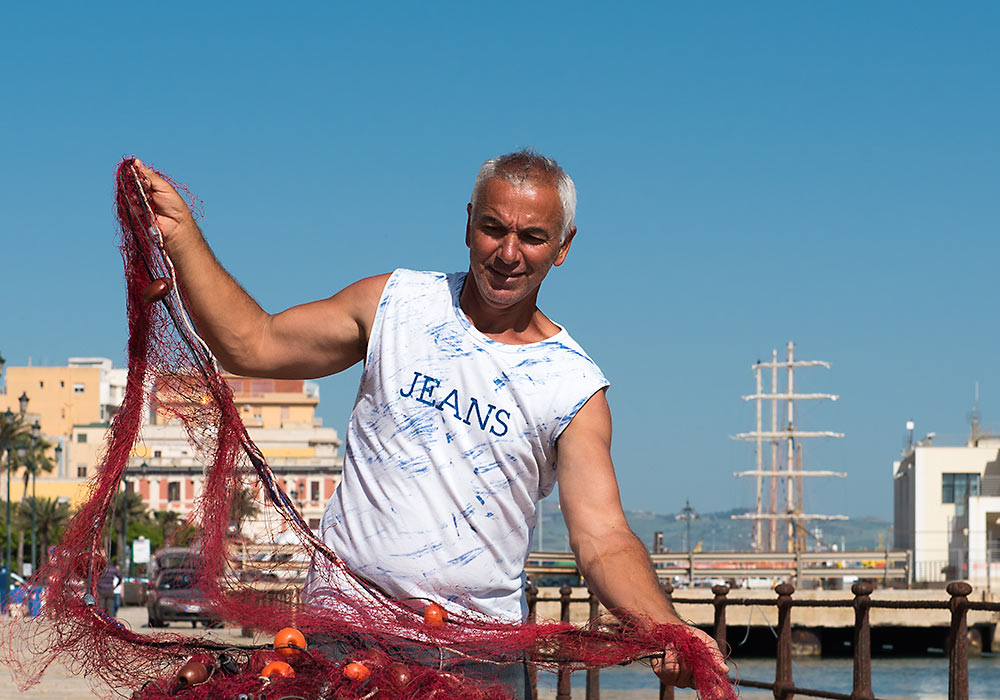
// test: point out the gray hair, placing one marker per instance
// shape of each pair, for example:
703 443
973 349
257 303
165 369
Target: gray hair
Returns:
527 165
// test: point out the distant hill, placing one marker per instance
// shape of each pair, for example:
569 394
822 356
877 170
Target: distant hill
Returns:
716 531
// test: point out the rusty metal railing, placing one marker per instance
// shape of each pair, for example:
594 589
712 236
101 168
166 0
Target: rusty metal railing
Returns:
783 687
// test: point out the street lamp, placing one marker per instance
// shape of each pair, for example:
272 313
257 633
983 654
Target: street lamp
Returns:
58 451
36 431
8 420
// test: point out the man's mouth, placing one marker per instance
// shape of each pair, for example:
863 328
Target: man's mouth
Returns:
505 275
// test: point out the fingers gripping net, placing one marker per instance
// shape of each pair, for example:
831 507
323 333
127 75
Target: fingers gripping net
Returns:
172 374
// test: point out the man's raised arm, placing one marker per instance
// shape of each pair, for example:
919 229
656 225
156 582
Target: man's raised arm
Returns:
610 557
303 342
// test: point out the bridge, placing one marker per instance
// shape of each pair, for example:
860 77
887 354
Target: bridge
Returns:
891 567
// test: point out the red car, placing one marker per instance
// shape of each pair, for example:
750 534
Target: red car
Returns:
174 597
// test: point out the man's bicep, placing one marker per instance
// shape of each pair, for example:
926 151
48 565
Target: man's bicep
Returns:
322 337
588 488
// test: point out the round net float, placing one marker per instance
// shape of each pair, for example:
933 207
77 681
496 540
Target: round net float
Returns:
156 290
289 642
435 615
399 675
373 658
277 668
356 671
191 673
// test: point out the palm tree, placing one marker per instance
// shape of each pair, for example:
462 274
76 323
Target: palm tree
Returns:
242 507
167 521
12 432
51 515
35 458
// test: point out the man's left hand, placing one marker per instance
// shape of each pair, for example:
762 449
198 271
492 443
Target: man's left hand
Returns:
675 670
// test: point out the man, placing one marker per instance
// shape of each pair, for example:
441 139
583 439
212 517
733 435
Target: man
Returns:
469 399
107 584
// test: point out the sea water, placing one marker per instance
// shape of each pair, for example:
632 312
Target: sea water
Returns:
916 678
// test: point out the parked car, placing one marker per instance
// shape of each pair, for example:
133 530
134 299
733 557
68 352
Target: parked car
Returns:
174 597
174 558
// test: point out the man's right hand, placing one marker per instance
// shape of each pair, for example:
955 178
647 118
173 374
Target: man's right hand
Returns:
303 342
173 217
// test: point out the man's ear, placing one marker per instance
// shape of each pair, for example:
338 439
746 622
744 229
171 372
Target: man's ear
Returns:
468 224
564 247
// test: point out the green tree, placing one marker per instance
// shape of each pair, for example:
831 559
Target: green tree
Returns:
51 516
12 431
241 508
167 522
129 507
31 454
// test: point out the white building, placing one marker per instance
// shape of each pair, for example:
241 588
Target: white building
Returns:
947 509
169 475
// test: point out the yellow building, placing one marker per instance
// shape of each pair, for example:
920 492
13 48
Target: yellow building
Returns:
75 404
86 390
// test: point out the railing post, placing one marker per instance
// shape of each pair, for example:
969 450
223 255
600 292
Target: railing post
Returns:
958 641
862 641
667 691
531 596
783 663
562 682
719 601
593 674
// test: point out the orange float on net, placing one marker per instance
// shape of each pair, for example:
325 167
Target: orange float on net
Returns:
157 290
435 615
289 642
277 668
356 671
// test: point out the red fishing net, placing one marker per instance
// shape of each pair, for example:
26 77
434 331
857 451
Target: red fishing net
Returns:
361 643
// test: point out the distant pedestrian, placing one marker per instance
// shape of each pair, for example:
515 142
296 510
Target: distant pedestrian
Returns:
106 585
119 593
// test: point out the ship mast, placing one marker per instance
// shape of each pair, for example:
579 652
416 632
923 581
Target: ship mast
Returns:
793 514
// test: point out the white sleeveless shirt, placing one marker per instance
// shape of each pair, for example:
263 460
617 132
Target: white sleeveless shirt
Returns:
451 444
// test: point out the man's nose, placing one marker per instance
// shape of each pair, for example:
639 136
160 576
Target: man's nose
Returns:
509 250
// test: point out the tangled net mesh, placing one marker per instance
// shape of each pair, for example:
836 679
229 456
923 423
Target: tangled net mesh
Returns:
172 374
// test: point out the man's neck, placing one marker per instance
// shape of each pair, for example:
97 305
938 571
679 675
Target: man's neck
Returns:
519 324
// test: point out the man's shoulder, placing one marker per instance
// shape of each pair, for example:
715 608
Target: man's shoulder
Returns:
413 285
402 274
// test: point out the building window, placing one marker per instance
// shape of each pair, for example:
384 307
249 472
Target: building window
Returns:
285 412
41 385
314 491
81 471
955 487
174 491
81 437
78 388
129 487
314 523
157 453
62 384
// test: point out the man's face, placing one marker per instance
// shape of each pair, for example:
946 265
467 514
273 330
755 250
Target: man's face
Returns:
513 234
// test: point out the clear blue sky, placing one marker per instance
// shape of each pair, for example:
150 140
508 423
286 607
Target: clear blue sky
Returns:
748 174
